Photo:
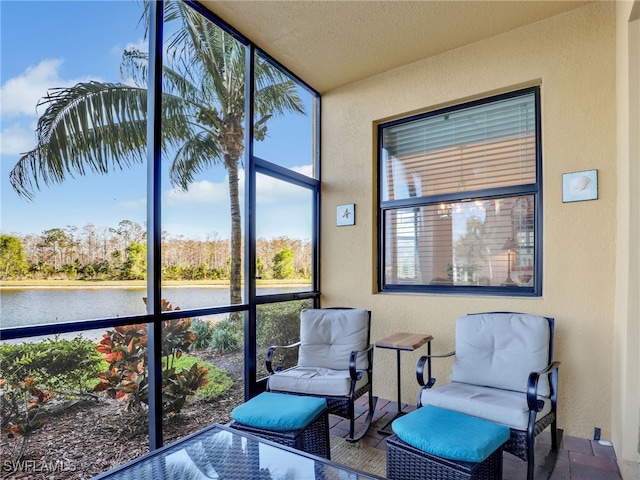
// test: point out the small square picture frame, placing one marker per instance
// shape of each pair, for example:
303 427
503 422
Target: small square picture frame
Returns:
346 215
580 186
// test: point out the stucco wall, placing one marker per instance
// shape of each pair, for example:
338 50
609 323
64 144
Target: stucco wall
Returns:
573 58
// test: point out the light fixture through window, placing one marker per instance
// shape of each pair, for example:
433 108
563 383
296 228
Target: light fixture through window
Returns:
444 210
509 246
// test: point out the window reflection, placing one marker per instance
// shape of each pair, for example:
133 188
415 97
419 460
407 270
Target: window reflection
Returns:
477 242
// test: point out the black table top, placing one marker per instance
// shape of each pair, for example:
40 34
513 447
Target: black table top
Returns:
219 452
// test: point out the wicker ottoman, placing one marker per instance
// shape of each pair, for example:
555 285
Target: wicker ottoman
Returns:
295 421
433 442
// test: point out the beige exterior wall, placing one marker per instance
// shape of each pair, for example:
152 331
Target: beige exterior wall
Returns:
573 58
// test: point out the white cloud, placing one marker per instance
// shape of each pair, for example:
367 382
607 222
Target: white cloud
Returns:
204 191
139 204
271 190
304 170
141 44
204 207
21 94
16 139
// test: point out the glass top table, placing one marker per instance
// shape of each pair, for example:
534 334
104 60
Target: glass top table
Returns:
221 453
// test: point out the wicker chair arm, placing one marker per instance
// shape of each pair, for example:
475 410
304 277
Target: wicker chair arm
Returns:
426 360
271 351
532 386
353 358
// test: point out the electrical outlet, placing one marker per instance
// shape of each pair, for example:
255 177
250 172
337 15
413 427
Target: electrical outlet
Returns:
596 433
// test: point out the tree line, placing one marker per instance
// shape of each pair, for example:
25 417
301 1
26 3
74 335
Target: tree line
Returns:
120 253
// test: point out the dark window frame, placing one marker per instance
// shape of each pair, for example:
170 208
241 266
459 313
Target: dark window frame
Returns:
534 189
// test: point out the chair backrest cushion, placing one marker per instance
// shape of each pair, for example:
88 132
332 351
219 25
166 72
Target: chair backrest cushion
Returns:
328 336
500 350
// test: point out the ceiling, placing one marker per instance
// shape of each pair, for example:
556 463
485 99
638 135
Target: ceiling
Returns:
330 43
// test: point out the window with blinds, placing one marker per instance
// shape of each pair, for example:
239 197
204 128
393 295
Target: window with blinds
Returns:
460 198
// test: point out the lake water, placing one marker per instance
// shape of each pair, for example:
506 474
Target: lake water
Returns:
37 306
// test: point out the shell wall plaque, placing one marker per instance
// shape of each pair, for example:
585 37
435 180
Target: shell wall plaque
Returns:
579 186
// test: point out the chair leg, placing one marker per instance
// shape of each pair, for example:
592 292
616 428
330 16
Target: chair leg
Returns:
530 456
554 436
372 408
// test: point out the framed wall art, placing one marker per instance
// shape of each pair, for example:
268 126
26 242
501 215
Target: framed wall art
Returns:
346 215
579 186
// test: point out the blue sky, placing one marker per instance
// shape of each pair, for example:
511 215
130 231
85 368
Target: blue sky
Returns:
49 44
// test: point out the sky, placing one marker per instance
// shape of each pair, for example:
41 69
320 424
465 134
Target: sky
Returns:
49 44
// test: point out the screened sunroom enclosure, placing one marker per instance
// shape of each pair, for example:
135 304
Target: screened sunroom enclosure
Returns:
236 134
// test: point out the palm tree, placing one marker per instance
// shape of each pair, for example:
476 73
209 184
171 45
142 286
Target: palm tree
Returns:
99 127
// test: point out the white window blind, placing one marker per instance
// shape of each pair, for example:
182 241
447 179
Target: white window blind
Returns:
483 146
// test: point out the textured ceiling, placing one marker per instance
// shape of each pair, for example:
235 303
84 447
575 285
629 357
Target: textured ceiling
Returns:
332 43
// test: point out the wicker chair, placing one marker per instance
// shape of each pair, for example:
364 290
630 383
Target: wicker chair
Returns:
335 362
503 371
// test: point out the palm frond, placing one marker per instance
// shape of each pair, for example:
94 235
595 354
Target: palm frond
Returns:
92 127
275 92
278 99
115 147
71 132
194 156
135 65
221 58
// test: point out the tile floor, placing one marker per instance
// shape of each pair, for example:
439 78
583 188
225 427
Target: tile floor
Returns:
577 459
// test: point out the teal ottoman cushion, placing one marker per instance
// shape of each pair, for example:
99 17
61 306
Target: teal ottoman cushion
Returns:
279 412
447 434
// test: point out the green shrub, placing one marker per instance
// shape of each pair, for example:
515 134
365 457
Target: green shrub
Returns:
32 373
226 337
67 367
203 331
279 323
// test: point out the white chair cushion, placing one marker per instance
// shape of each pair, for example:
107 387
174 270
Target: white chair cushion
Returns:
329 336
500 350
315 381
500 406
